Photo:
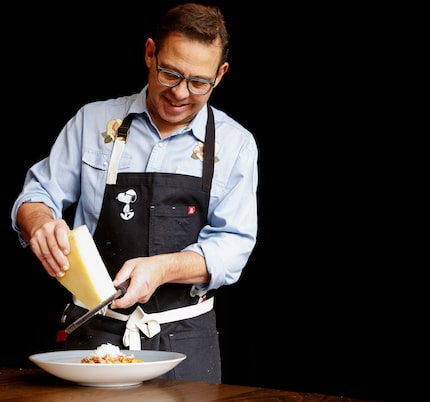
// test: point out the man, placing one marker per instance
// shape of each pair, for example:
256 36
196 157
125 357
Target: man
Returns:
167 185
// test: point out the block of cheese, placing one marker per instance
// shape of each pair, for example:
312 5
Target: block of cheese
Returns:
87 278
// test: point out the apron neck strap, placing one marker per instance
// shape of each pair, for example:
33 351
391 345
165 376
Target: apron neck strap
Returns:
209 151
118 148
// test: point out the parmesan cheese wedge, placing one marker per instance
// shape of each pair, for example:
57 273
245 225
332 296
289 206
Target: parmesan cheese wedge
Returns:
87 278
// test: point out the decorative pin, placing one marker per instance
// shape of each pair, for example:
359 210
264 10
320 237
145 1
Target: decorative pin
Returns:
112 128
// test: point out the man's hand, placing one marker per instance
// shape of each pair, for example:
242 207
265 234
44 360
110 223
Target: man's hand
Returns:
48 237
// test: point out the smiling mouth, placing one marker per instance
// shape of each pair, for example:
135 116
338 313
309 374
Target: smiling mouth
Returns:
173 104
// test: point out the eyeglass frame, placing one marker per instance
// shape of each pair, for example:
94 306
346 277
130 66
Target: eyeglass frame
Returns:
182 78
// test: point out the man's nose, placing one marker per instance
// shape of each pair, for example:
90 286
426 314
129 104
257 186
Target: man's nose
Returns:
181 90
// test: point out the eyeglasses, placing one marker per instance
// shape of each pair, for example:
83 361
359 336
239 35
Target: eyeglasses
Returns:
171 79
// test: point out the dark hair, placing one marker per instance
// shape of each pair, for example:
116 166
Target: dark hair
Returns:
195 21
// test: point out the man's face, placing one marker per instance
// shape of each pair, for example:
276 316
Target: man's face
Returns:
171 108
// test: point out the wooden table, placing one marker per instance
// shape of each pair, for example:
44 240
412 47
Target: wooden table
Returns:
37 385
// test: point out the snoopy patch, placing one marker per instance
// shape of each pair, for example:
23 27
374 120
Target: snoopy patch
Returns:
127 198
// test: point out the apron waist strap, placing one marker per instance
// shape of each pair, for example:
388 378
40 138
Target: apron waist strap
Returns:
149 323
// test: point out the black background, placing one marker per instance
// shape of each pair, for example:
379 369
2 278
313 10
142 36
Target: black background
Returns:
307 313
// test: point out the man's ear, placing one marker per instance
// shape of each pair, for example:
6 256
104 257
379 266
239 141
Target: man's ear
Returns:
221 71
149 52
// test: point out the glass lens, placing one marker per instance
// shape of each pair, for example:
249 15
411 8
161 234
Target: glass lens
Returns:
170 79
198 87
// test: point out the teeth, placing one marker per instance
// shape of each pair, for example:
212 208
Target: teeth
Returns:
174 104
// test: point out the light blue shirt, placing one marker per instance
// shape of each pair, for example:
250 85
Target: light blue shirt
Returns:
76 170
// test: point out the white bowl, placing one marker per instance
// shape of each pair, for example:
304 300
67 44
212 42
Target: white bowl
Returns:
67 365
